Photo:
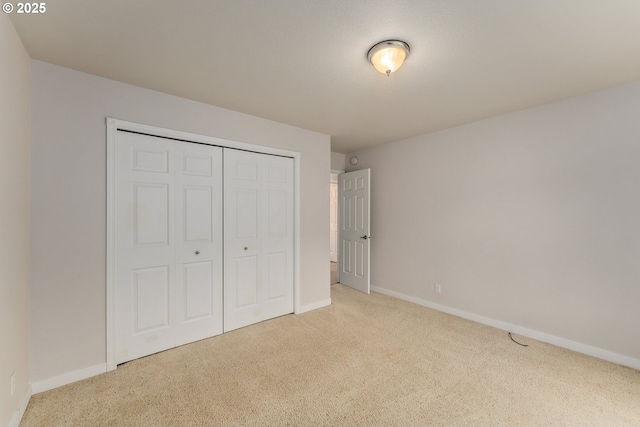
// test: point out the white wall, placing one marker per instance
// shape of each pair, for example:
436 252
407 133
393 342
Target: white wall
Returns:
69 202
14 221
337 161
530 218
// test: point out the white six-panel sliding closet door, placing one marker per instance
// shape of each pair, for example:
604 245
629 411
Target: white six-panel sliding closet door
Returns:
170 249
169 244
258 227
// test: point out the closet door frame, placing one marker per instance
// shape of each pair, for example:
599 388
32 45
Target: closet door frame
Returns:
113 125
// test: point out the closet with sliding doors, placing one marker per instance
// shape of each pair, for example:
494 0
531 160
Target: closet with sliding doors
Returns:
203 240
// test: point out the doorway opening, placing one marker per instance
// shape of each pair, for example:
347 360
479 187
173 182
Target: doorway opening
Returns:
333 226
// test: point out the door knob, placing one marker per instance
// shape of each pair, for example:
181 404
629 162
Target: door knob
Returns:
197 252
365 237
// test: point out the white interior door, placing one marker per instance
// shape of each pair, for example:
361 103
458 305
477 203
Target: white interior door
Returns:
333 218
198 241
355 238
258 237
168 242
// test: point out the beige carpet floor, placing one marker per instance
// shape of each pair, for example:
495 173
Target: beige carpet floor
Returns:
366 360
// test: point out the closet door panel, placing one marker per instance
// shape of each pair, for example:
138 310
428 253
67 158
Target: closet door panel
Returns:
277 248
169 244
258 192
145 235
199 241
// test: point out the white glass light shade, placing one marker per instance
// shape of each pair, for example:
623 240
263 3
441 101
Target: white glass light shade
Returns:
388 56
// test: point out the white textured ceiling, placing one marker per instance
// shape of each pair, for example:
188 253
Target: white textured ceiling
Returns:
302 62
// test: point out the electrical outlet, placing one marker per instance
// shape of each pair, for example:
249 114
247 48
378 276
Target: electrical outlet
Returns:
437 288
13 383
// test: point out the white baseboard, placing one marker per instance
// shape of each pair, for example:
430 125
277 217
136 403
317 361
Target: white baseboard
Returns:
313 306
530 333
22 406
68 378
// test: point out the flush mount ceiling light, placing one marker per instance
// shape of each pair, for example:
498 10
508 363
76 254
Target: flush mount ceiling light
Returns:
388 56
